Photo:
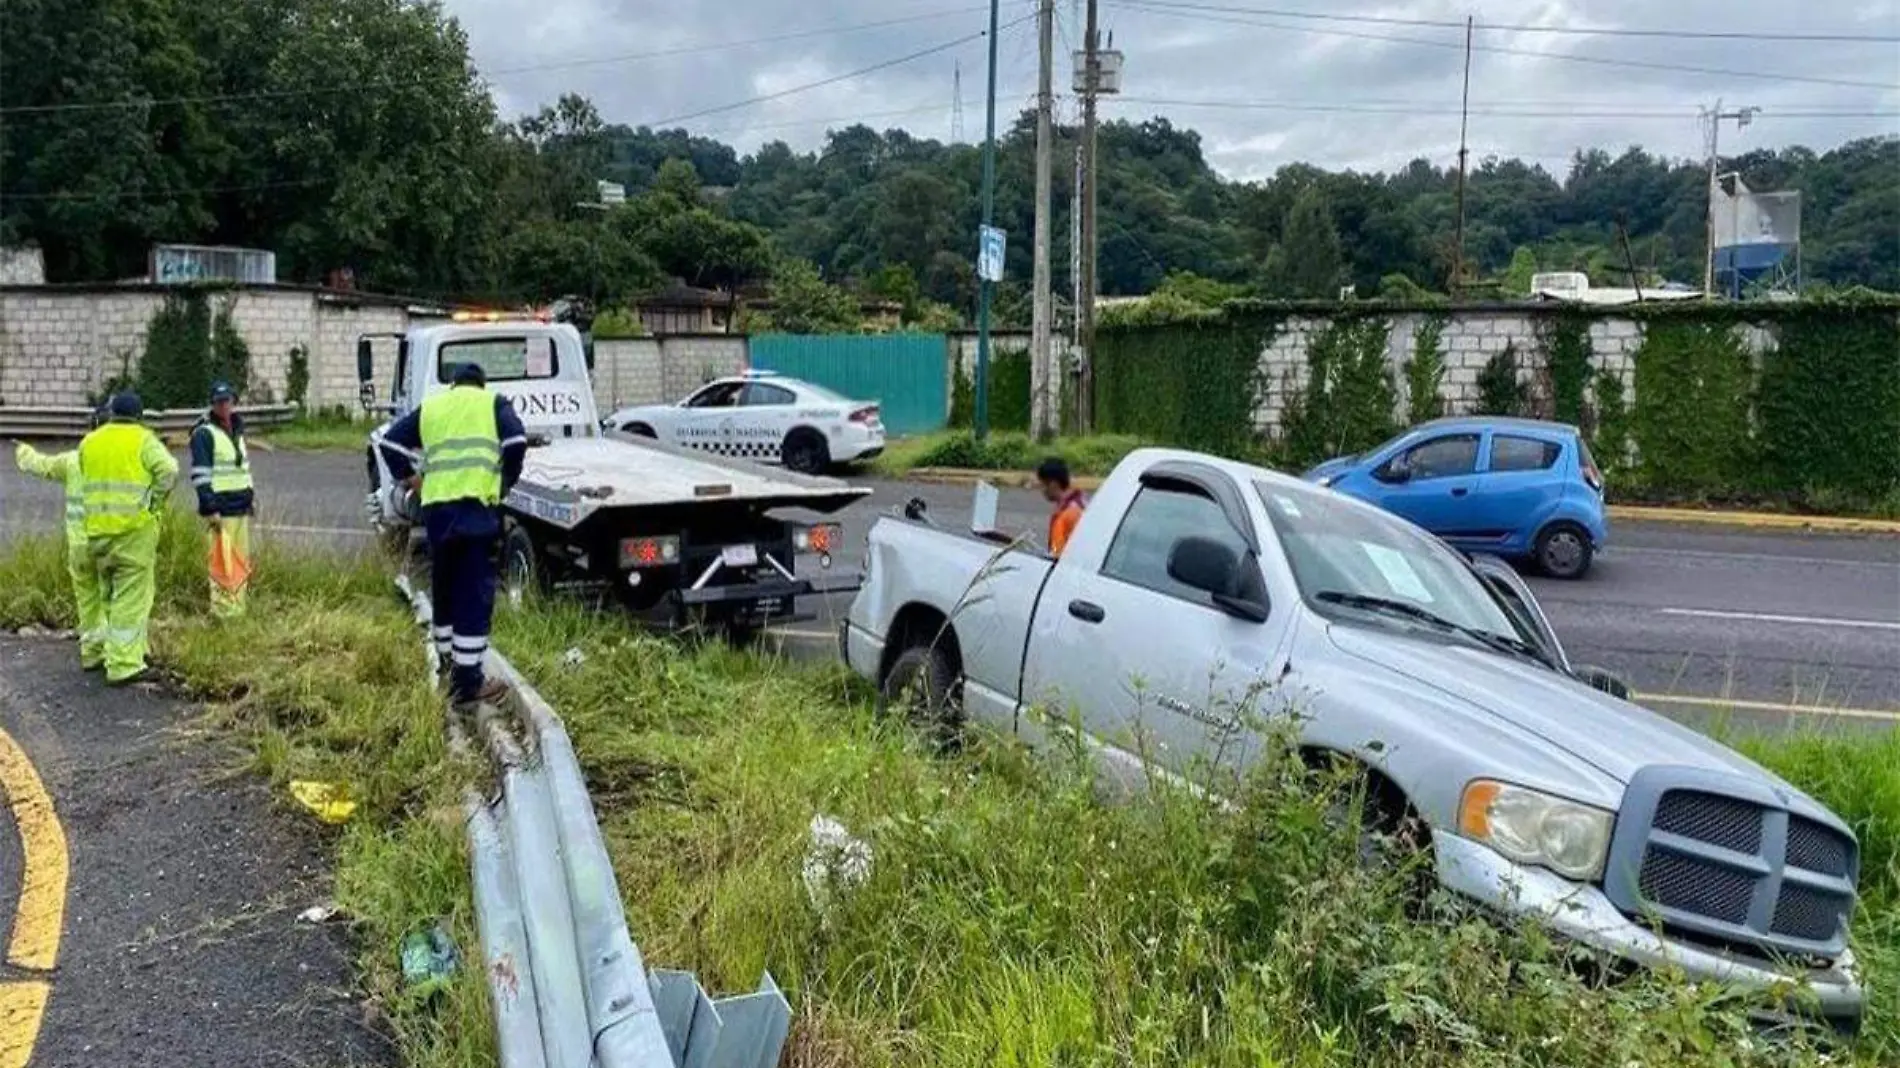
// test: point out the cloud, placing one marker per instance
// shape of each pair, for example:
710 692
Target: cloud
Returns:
1264 90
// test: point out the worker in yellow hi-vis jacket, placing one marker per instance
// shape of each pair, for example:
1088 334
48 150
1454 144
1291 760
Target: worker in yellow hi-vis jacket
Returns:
63 467
128 482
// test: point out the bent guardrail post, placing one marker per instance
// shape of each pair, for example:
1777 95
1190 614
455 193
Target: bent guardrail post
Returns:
534 840
504 940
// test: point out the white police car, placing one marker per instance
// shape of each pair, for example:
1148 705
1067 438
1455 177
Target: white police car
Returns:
764 417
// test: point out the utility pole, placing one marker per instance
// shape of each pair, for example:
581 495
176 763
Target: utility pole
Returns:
1042 421
1464 120
1742 117
1085 310
985 286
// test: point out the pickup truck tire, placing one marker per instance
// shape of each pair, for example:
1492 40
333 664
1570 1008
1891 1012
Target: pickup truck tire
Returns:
923 684
1393 839
805 452
1563 551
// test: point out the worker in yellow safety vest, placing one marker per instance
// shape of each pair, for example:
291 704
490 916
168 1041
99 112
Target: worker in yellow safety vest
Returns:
466 445
63 467
221 473
128 479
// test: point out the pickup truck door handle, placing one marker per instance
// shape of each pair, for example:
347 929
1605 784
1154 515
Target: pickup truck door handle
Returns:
1087 612
1459 491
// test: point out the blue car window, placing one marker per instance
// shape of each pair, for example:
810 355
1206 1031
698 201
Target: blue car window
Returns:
1510 453
1455 454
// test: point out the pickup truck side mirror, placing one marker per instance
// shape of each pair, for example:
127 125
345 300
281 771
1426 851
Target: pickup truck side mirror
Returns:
1233 581
1602 679
365 360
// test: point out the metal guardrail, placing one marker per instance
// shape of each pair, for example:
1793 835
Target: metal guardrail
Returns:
569 986
75 422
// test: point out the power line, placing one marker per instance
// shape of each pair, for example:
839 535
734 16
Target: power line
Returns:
1504 50
683 50
1570 31
836 78
1403 108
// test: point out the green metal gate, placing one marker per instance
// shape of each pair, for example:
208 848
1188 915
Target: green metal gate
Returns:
906 374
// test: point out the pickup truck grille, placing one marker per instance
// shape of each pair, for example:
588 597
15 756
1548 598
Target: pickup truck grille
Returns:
1722 859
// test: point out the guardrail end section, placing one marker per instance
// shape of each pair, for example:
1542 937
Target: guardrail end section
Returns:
746 1031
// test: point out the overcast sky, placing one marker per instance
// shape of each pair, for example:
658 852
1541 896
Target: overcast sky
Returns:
1394 98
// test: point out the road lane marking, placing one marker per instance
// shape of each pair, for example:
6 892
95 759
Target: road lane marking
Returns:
40 916
22 1007
1769 617
1739 705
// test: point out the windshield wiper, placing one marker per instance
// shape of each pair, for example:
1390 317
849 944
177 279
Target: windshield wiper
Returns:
1489 639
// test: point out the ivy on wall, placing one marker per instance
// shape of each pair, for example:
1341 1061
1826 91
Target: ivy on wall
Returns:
1009 393
1348 401
1829 406
1610 439
1196 384
1499 390
175 370
1694 388
1425 371
1567 354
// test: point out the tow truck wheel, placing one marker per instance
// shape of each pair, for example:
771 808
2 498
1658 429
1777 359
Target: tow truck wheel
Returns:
805 452
522 572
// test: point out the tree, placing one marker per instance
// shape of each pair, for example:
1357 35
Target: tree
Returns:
678 182
804 303
1310 250
1519 275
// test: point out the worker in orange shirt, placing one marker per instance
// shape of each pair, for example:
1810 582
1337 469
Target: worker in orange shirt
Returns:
1053 476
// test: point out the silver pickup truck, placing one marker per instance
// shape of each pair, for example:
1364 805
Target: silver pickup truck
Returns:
1199 597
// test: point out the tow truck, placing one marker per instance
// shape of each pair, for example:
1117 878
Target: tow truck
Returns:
680 539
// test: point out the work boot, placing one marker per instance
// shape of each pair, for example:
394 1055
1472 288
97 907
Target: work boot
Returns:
488 693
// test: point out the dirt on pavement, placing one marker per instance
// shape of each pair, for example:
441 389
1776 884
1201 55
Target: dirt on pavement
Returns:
181 946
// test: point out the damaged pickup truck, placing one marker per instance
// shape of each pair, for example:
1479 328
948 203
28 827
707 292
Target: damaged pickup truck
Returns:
1193 582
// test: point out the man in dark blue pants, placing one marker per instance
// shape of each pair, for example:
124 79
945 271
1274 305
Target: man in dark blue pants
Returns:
471 446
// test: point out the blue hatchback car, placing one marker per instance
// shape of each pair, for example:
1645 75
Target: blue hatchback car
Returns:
1517 488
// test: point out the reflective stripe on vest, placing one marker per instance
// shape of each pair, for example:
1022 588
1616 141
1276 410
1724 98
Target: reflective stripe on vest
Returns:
118 489
461 447
230 470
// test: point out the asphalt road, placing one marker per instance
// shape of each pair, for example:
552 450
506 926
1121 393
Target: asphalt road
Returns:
152 896
1762 628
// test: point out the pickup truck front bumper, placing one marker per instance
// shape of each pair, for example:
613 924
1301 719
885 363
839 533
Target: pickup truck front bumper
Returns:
1583 914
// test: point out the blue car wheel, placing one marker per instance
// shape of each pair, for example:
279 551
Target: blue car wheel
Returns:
1563 551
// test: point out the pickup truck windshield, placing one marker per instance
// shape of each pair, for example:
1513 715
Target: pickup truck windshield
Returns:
1346 557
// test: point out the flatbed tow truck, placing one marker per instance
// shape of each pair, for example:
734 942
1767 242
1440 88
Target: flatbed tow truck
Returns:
680 539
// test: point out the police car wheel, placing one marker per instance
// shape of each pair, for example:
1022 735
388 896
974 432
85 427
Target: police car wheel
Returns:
805 452
639 430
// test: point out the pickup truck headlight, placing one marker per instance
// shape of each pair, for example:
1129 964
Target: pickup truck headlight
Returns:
1532 827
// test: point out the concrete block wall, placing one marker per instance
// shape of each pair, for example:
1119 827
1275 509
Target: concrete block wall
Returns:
271 323
56 347
628 372
691 360
332 351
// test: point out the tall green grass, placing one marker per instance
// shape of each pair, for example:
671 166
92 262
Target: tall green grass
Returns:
1013 914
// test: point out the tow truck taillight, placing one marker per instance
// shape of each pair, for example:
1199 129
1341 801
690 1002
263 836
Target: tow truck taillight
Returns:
636 553
865 415
822 539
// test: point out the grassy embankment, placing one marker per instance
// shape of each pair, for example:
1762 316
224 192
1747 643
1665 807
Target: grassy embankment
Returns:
1012 917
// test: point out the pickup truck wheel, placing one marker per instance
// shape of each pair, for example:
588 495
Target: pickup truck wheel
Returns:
805 452
1563 551
923 685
